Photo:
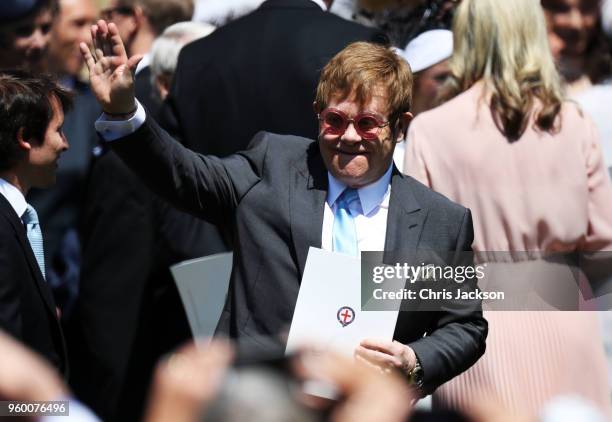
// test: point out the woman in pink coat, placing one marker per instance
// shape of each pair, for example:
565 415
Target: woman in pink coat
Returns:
529 166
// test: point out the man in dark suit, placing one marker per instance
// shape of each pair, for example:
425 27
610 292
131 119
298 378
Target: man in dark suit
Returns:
285 194
31 141
257 73
130 238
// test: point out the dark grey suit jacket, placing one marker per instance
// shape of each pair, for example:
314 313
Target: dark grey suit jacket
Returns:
271 198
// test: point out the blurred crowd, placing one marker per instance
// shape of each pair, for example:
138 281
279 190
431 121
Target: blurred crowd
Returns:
513 120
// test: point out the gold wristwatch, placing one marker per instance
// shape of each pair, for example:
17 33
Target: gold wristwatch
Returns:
415 376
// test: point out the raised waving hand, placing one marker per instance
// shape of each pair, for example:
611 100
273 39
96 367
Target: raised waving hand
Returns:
110 69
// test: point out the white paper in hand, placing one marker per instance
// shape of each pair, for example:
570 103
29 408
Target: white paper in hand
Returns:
328 310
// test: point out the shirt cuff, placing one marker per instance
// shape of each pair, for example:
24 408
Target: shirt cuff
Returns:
110 130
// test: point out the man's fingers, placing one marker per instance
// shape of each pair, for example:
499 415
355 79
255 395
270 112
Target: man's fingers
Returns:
103 38
102 28
98 42
94 38
87 56
377 357
133 62
107 44
375 344
97 33
115 40
98 54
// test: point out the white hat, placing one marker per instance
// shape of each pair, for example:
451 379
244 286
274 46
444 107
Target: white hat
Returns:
428 48
606 16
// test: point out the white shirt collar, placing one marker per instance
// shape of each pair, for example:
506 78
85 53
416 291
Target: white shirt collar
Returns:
321 4
370 196
144 62
13 196
68 82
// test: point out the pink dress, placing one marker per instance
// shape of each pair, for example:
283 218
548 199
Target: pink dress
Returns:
544 192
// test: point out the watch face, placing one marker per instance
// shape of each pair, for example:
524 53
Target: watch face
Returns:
416 375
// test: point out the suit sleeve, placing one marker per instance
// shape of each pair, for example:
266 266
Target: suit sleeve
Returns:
206 186
456 337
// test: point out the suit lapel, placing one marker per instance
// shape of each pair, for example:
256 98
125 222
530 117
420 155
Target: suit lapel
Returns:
404 222
20 233
307 194
308 191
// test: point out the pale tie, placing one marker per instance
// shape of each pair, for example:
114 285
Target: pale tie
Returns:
344 234
30 219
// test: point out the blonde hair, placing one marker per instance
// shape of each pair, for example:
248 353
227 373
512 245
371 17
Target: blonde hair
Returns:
359 70
504 43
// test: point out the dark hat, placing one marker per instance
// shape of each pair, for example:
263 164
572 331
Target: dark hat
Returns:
16 9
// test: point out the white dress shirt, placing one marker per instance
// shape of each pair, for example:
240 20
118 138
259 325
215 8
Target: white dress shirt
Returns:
144 62
371 220
321 4
14 197
114 129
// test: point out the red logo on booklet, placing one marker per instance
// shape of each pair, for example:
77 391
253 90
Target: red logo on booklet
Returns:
345 315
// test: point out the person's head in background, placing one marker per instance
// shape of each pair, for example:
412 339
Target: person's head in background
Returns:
578 41
428 56
259 393
24 33
504 45
140 21
71 27
31 138
166 49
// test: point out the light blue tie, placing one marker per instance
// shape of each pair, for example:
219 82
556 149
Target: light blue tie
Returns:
35 237
344 234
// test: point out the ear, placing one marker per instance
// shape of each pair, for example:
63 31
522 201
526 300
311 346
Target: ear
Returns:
162 83
403 122
316 107
139 16
24 144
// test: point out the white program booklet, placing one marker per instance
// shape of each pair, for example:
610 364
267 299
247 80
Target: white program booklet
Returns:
202 284
328 310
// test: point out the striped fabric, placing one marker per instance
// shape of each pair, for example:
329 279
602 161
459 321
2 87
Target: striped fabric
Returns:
549 354
35 237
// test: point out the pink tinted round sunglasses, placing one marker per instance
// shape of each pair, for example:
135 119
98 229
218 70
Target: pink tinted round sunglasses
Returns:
367 125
